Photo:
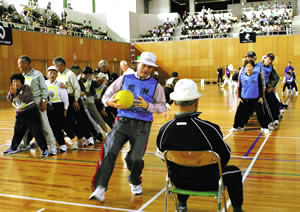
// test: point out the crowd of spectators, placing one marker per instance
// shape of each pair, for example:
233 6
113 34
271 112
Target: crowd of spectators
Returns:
206 23
267 19
162 32
45 20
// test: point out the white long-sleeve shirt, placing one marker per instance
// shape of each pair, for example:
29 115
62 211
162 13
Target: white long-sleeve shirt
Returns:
71 81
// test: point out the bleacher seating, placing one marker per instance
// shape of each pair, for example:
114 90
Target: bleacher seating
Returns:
267 19
47 21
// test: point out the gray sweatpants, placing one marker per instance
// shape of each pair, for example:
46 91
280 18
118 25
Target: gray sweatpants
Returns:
137 132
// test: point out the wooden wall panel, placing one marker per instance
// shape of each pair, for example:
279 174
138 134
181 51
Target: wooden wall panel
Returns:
198 59
43 48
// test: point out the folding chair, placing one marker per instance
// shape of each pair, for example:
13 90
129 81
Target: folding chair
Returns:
193 159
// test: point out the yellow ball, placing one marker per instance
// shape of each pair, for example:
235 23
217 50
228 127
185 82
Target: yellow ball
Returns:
125 98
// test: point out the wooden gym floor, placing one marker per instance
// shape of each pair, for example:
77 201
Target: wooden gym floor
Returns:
270 165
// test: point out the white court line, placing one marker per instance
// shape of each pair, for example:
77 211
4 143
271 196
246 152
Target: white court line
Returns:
151 200
6 128
42 209
66 203
250 166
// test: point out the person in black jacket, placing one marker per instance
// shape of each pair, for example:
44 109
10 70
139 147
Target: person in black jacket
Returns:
188 132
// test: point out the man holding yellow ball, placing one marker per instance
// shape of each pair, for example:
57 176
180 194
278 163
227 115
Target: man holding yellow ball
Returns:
132 124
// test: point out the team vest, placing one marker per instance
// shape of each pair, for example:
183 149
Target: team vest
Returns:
62 78
87 85
267 71
28 81
250 86
144 88
289 79
53 93
19 105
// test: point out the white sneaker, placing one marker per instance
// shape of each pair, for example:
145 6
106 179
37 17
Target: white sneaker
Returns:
296 93
63 148
53 151
270 126
91 141
98 194
236 129
75 145
136 189
265 130
168 106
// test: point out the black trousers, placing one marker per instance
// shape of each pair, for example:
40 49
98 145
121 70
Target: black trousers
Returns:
57 121
220 79
294 85
167 94
110 118
286 85
232 178
76 122
29 119
273 105
244 111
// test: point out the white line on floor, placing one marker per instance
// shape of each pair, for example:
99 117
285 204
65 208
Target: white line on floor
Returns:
250 166
66 203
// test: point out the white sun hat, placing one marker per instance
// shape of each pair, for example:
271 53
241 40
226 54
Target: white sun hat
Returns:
52 68
147 58
185 90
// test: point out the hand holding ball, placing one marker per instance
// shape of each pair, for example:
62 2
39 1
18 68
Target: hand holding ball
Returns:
124 98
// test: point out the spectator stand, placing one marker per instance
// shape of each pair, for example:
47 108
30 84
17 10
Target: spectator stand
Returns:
267 19
208 23
33 18
162 32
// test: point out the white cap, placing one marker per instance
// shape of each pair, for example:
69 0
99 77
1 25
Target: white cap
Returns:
185 90
52 68
147 58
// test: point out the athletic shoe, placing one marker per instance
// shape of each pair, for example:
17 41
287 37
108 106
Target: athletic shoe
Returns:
74 145
98 194
182 209
53 151
91 141
168 106
84 142
63 148
10 151
44 153
236 129
270 126
136 189
24 147
265 130
296 93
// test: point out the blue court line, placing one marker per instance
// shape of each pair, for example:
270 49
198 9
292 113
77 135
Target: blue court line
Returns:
253 145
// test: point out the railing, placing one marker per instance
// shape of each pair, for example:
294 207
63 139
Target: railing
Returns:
213 12
252 9
212 36
25 27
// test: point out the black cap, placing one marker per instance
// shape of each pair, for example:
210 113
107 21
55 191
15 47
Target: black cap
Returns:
87 70
271 55
174 74
251 54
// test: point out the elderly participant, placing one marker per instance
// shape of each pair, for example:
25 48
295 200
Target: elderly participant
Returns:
133 124
190 133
